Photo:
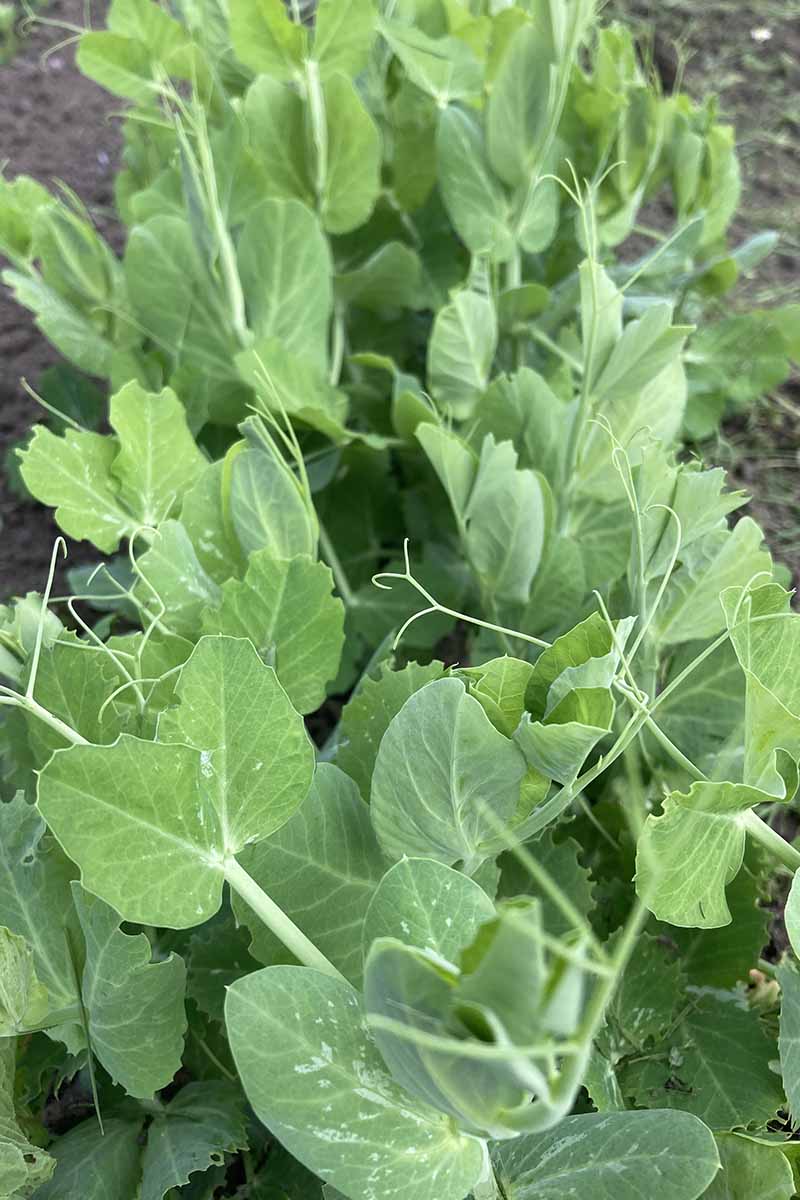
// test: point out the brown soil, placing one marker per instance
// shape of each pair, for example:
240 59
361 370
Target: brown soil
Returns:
56 126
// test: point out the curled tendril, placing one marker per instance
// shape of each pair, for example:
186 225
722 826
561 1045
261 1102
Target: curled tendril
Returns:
58 545
407 576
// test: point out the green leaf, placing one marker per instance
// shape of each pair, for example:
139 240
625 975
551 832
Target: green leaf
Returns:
461 350
179 307
691 606
715 1066
265 40
23 1000
343 35
288 611
503 514
649 993
390 278
95 1165
750 1168
280 248
425 904
690 853
119 64
202 516
36 903
158 459
789 1039
134 1006
765 636
473 197
268 509
725 956
157 820
172 581
275 116
523 409
368 713
216 955
194 1132
443 800
322 869
444 68
614 1156
352 177
558 746
73 474
562 863
23 1166
417 990
359 1131
500 686
519 109
791 915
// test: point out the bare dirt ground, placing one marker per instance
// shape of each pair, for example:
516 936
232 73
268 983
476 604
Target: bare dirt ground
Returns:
56 125
748 53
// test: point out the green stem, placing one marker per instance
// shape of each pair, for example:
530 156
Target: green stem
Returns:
319 127
277 921
339 574
761 832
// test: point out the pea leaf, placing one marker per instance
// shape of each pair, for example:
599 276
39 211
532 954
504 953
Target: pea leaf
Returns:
352 177
503 514
134 1007
690 853
36 904
287 610
750 1168
275 116
433 804
789 1039
425 904
193 1132
96 1165
158 459
561 861
23 999
322 868
267 507
23 1166
157 819
281 246
368 713
474 198
73 474
445 68
460 352
172 580
265 40
343 35
715 1066
359 1131
615 1155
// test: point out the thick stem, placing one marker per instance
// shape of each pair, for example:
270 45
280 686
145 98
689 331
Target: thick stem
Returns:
277 921
777 846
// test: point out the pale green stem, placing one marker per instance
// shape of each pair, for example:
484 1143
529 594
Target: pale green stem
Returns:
761 832
36 710
339 574
319 128
277 921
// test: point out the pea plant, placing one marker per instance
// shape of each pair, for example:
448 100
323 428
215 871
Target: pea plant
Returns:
394 809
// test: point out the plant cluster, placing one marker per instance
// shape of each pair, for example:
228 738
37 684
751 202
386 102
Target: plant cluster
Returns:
394 423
